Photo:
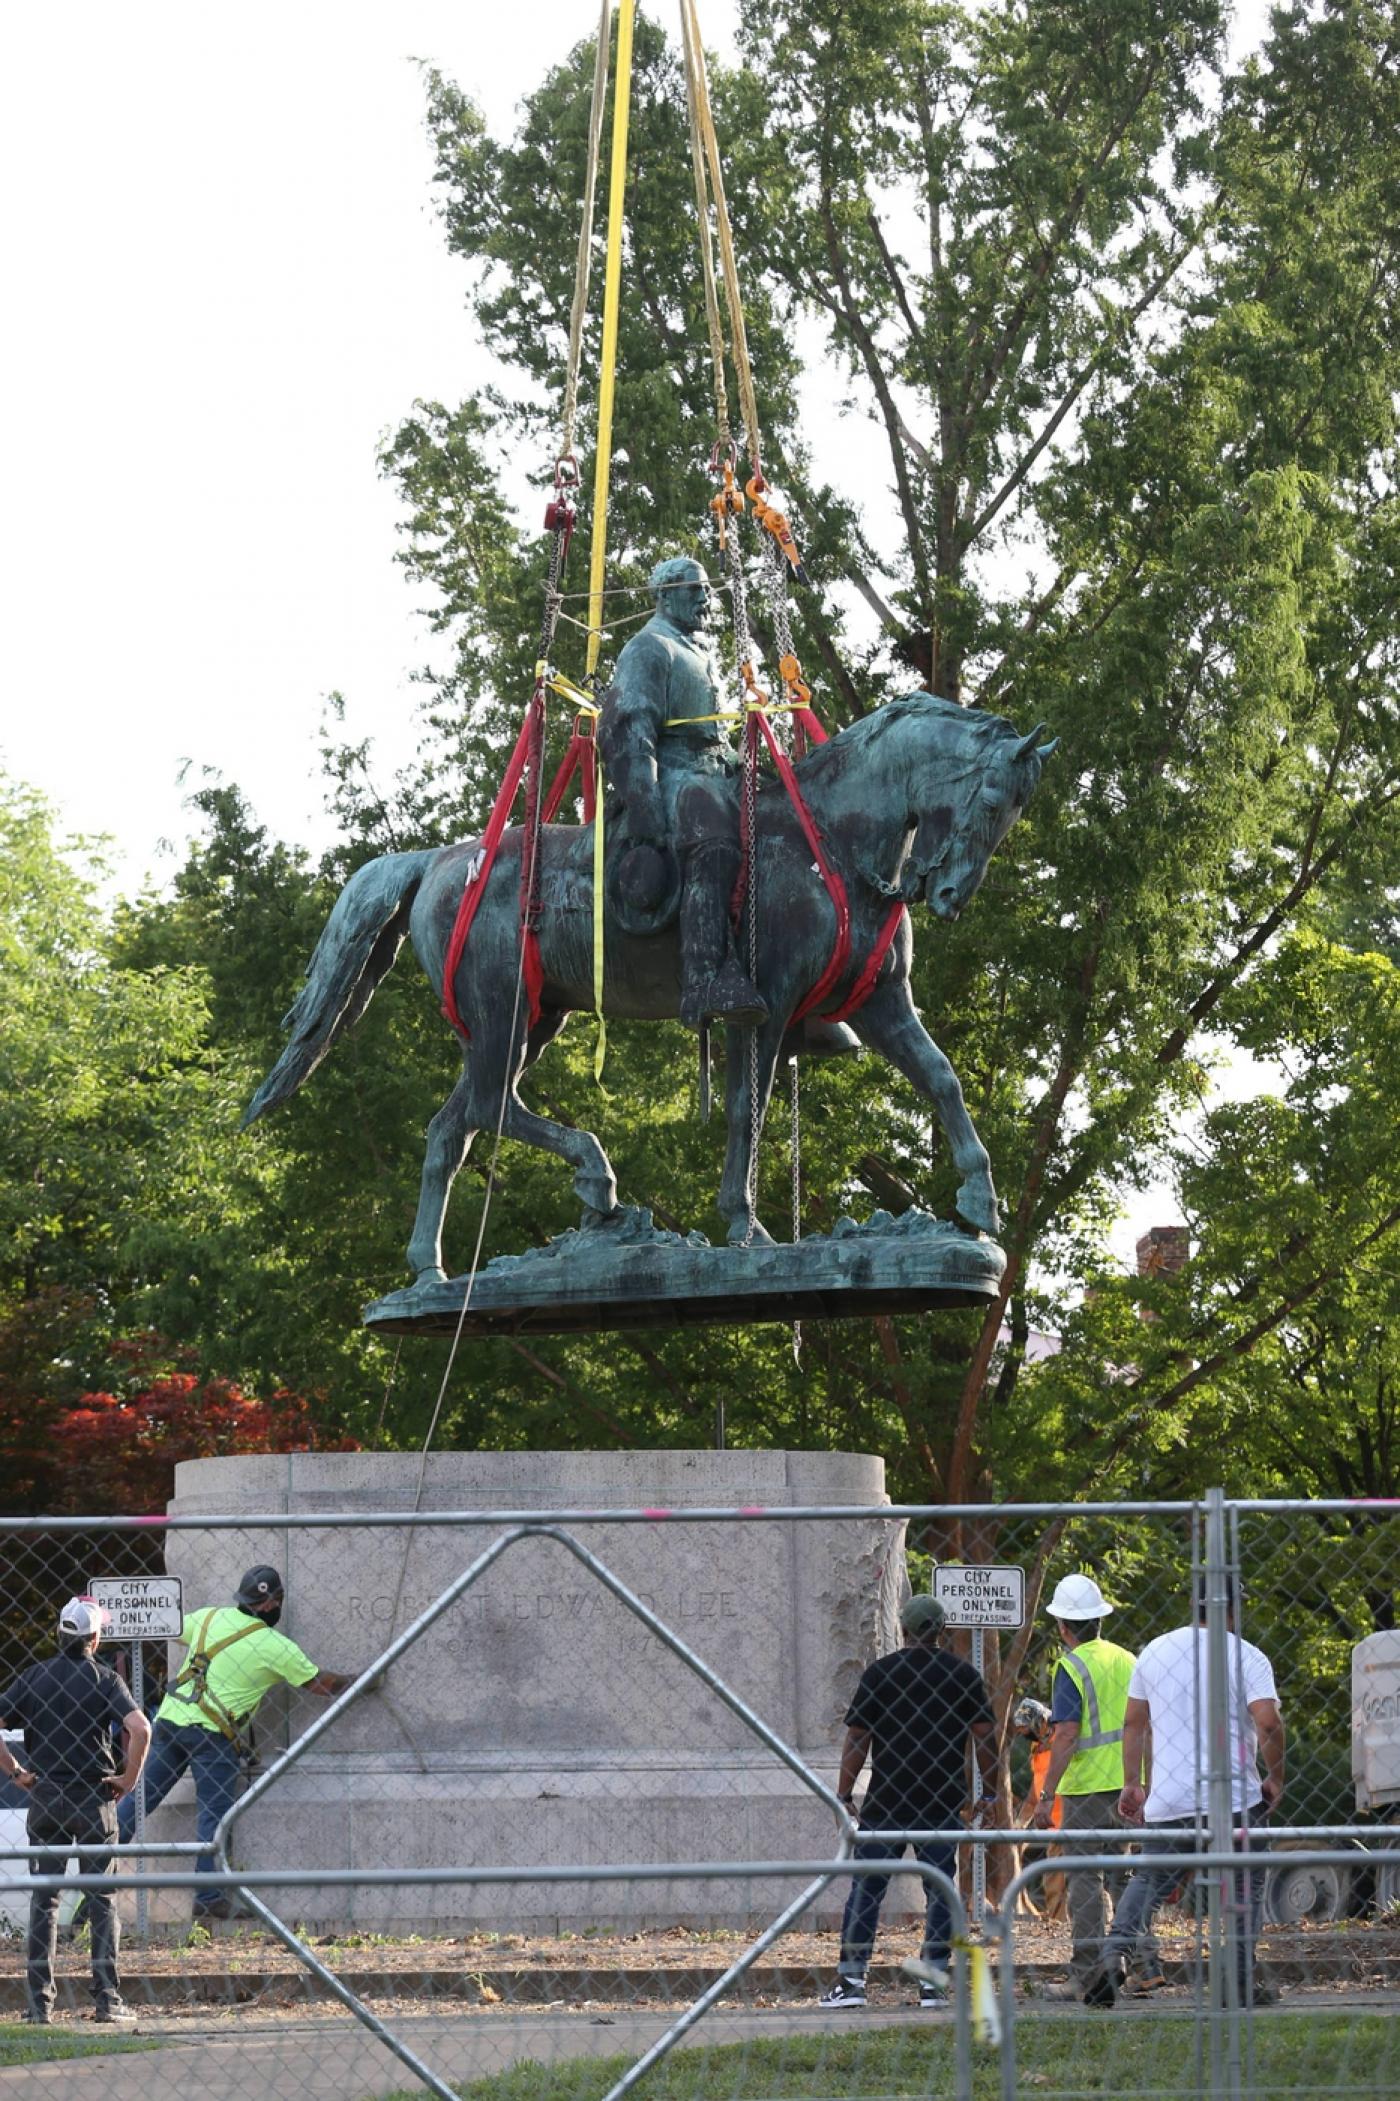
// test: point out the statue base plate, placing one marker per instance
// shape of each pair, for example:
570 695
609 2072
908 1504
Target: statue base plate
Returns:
629 1273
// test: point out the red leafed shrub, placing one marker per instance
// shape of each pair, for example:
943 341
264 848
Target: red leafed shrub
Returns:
119 1453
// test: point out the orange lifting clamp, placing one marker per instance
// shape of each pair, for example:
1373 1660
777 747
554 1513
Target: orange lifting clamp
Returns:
774 522
794 686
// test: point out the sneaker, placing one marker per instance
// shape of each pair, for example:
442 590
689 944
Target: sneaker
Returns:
1262 1993
1143 1987
1103 1984
37 2017
847 1991
1072 1990
115 2013
932 1996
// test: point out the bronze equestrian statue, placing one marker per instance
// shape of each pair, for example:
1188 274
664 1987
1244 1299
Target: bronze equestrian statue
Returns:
911 802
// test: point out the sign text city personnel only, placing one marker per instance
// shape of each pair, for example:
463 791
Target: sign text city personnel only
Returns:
976 1594
139 1608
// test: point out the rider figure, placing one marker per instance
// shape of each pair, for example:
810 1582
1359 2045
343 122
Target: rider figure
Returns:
669 773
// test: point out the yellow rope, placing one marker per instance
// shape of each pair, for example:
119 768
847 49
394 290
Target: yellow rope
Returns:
739 342
587 705
622 98
713 318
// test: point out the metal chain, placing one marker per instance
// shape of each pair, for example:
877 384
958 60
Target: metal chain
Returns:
549 618
795 1153
751 907
776 581
743 653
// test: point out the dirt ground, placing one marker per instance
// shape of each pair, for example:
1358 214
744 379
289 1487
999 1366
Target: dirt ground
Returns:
246 1965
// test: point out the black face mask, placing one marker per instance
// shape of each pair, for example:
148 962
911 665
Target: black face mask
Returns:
271 1614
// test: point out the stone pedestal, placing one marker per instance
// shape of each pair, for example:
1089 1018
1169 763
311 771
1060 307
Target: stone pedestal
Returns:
538 1721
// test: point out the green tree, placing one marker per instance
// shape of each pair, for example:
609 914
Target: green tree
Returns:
1123 322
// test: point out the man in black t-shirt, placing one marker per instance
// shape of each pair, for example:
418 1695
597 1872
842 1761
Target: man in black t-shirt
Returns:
913 1713
67 1707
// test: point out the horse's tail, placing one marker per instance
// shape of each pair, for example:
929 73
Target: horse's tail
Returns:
356 951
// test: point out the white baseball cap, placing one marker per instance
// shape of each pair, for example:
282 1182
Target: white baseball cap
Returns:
82 1617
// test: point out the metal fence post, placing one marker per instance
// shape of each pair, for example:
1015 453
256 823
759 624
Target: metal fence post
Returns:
1224 1931
979 1853
138 1694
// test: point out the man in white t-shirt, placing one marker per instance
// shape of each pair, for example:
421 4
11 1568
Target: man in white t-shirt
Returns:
1166 1763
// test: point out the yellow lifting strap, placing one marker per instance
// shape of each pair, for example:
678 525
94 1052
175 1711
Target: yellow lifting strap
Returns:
584 702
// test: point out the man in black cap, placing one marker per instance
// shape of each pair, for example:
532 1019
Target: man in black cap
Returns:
232 1658
913 1713
67 1707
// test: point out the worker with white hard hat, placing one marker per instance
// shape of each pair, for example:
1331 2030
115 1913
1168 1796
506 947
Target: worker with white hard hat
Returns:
1088 1701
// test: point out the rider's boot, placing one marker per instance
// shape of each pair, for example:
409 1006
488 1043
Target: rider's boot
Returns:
714 985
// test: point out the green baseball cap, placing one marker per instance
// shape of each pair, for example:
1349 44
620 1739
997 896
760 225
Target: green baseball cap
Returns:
922 1614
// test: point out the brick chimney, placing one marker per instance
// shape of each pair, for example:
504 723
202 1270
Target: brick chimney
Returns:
1163 1251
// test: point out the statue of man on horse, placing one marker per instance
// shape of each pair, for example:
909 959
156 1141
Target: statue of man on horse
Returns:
907 805
670 769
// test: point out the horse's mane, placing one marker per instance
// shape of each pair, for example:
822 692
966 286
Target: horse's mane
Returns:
978 727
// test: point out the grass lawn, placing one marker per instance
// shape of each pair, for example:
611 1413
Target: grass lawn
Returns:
1351 2054
22 2045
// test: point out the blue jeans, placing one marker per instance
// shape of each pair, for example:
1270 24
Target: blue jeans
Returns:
862 1913
1167 1844
213 1761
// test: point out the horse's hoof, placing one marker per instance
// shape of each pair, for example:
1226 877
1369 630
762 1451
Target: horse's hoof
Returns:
592 1217
977 1210
740 1236
431 1275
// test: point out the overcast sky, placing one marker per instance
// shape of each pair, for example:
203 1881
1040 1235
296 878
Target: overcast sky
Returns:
225 284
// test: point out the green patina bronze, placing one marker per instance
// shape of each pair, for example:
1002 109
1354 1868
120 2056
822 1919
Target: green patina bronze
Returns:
910 804
670 769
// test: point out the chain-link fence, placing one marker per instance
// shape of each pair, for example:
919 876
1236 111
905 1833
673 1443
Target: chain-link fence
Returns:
529 1789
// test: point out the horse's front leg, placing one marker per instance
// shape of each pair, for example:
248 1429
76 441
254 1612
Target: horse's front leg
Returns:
748 1078
888 1022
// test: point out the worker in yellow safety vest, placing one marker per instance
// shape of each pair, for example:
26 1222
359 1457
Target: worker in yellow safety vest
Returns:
1088 1700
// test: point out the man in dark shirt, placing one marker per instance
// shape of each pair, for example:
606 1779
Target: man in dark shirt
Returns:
913 1712
67 1707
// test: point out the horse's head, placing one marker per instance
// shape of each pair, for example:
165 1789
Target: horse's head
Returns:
956 836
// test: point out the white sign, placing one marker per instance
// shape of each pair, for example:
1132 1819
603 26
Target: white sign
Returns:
977 1594
139 1608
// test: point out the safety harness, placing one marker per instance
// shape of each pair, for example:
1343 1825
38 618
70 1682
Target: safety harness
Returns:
195 1674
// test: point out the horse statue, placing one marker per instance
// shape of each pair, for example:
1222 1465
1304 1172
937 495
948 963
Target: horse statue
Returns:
910 802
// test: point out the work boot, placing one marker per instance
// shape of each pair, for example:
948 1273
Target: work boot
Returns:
714 986
728 996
